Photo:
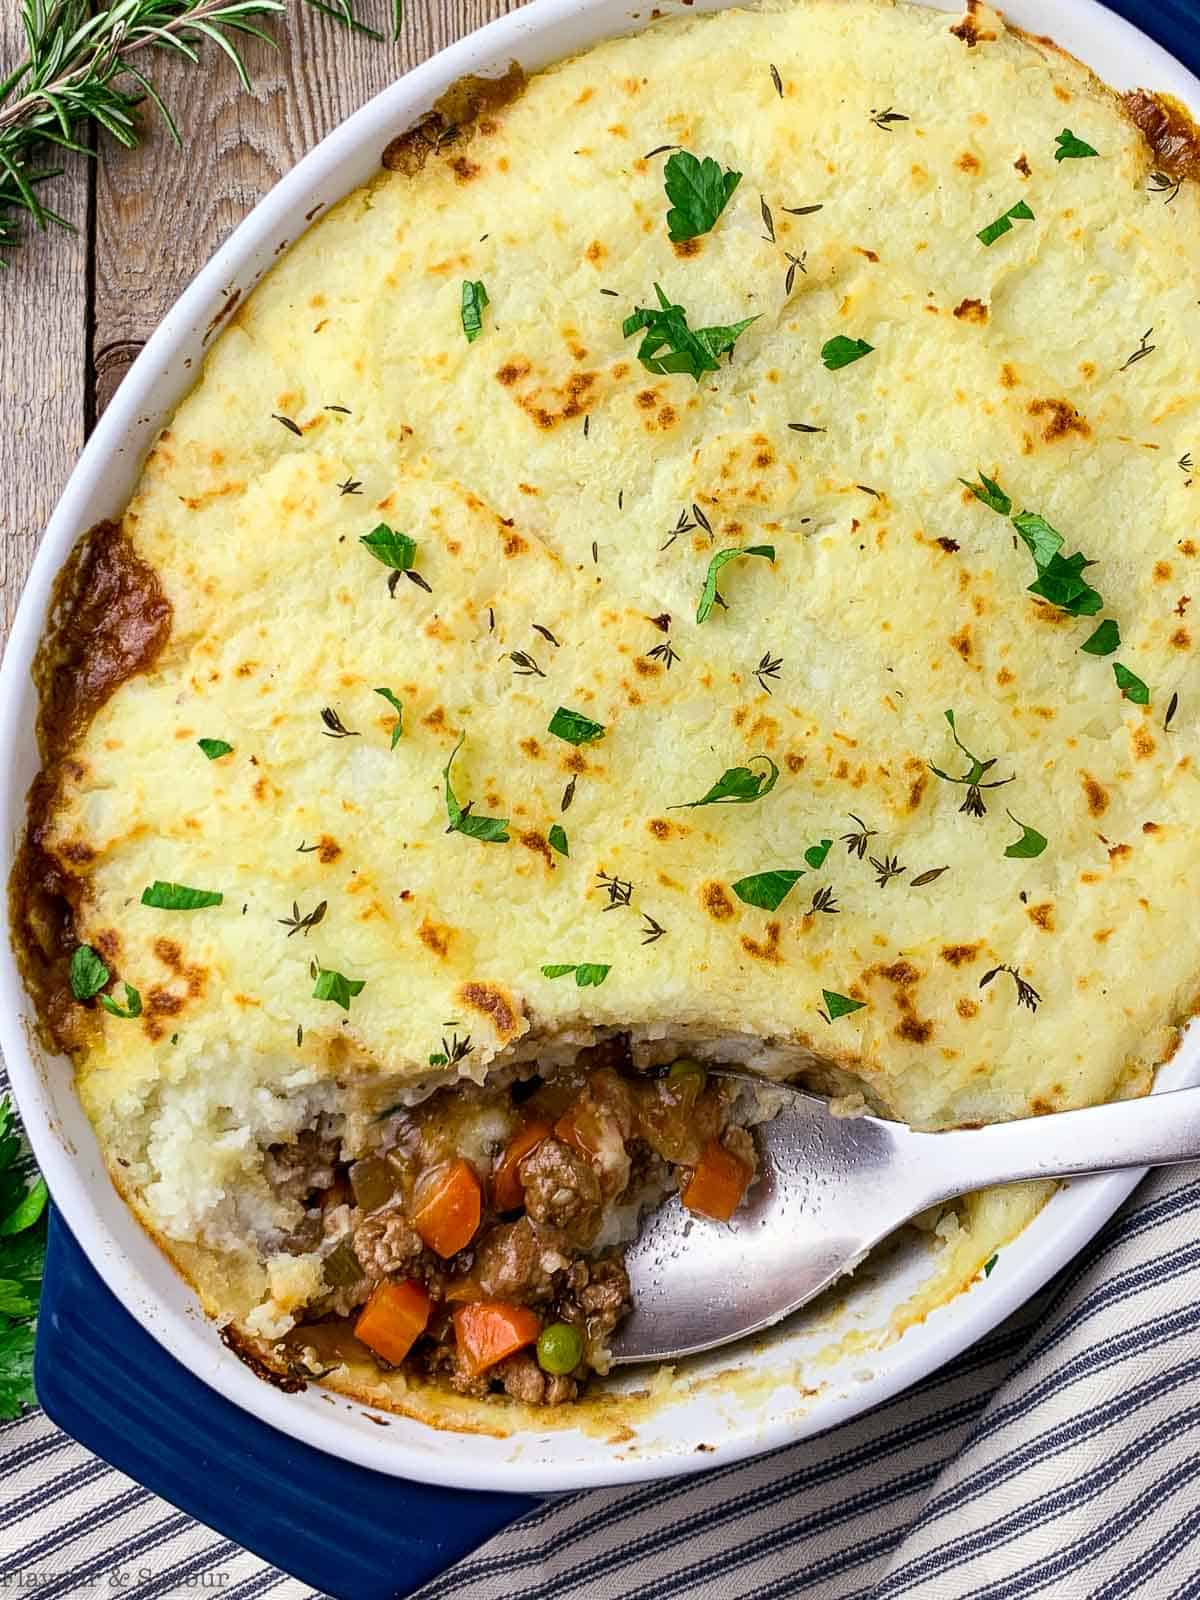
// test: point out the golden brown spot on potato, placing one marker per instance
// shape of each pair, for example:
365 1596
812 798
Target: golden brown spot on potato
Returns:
328 850
77 851
1022 166
1118 852
1142 743
108 943
916 790
247 669
1008 376
1162 571
1095 794
1169 130
162 1003
950 546
647 399
687 247
1042 916
531 748
961 641
716 902
793 762
1062 419
959 955
512 372
1151 827
901 973
533 840
667 417
917 1030
528 488
1188 547
261 789
514 545
969 29
967 162
971 311
494 1003
646 669
966 1009
869 254
767 950
595 252
435 937
464 170
1103 935
433 719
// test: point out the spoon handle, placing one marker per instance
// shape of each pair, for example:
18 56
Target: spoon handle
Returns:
1157 1130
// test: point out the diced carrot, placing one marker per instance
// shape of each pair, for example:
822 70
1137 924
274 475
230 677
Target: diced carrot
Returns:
718 1182
449 1213
507 1193
393 1319
489 1330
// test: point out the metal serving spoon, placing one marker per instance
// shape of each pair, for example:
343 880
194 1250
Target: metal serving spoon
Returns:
830 1188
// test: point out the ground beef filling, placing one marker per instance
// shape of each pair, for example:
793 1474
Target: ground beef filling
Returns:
479 1240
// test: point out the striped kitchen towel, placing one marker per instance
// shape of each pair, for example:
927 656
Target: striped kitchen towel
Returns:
1059 1457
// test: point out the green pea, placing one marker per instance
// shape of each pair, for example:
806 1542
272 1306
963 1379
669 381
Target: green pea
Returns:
685 1067
559 1348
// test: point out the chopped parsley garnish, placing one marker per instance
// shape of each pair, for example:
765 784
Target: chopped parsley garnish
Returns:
558 839
698 191
708 595
337 987
178 897
988 1265
973 805
88 972
488 830
214 748
395 550
132 1007
1070 148
691 350
839 1005
737 786
398 725
767 890
474 298
1060 578
990 492
1104 641
22 1254
1003 223
840 351
1030 844
816 853
574 727
1131 686
588 974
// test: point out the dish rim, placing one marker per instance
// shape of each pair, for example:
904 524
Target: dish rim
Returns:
542 32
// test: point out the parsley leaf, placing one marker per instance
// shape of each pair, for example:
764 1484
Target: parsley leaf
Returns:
992 495
840 352
767 890
398 725
488 830
132 1007
558 839
1030 844
698 191
988 1265
88 972
839 1005
690 350
22 1254
708 595
1105 640
1131 686
214 748
1060 578
394 549
816 853
336 987
574 727
736 786
16 1368
474 298
588 974
1070 148
178 897
1003 223
1044 542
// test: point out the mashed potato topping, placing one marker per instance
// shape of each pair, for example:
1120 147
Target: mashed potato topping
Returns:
435 716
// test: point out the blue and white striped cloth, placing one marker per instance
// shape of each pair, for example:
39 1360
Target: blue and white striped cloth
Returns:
1060 1457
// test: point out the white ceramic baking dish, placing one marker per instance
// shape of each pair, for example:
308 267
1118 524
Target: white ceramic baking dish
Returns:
729 1416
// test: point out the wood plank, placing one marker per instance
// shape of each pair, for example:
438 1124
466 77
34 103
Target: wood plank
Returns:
43 353
162 212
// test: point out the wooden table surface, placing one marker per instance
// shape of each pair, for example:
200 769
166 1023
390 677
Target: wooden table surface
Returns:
75 309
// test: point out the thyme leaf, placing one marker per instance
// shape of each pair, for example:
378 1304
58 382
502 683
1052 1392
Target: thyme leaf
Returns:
298 924
973 778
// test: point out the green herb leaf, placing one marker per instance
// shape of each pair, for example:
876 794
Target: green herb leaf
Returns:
16 1368
992 495
1044 542
474 298
1003 223
767 890
1062 584
178 897
336 987
27 1210
88 972
1130 685
1030 844
488 830
839 1005
698 191
132 1007
691 350
840 352
1070 148
214 748
588 974
395 550
558 839
816 853
398 725
991 1260
736 786
708 595
574 727
1105 640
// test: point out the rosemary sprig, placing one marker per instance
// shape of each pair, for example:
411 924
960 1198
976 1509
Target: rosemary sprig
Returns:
87 68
